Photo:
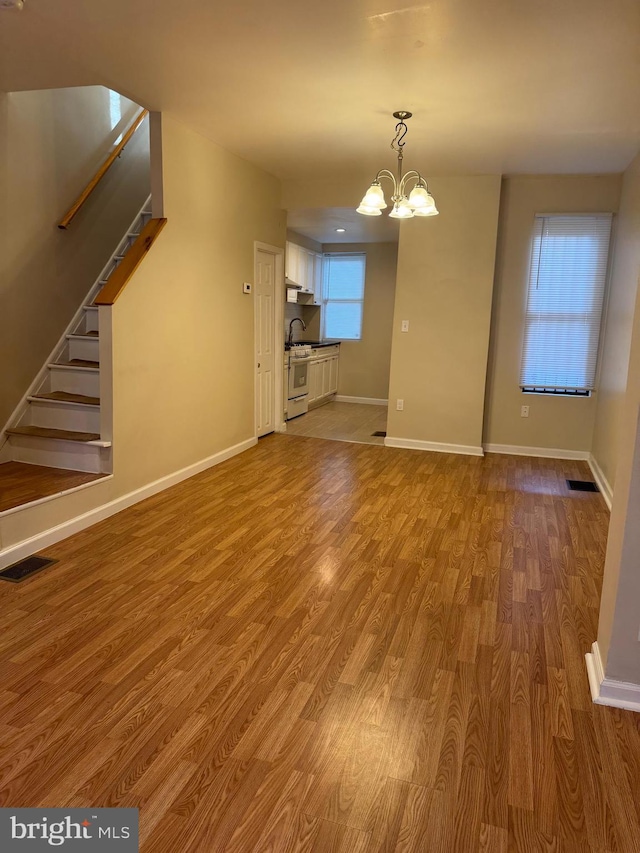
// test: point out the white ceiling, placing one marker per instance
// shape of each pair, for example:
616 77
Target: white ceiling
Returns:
320 225
305 88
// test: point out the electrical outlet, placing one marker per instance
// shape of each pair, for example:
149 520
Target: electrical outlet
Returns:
524 411
246 287
404 326
400 405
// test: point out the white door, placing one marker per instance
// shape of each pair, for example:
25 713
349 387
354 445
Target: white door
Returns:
264 307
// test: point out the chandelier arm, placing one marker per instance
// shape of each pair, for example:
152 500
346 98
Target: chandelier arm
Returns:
412 174
385 173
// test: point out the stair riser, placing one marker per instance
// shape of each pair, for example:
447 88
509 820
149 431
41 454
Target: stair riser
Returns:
76 418
87 349
89 322
74 381
59 454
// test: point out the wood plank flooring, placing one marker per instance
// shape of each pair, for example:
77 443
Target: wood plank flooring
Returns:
21 483
321 646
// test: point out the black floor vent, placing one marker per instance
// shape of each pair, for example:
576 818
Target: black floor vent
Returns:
25 568
379 432
582 486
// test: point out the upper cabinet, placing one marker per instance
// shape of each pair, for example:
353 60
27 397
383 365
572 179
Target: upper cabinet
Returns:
304 267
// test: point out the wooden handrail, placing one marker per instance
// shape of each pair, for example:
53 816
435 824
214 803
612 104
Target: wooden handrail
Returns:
120 276
99 175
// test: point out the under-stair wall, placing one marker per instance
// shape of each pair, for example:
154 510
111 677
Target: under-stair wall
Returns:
183 375
65 418
51 144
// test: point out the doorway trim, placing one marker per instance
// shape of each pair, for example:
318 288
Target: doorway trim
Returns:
278 334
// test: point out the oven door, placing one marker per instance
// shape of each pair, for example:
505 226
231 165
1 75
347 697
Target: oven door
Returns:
298 377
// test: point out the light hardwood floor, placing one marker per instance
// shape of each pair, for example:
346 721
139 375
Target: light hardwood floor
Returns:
21 484
322 646
342 422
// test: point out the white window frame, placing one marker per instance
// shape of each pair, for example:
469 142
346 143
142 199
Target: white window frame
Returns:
326 266
591 320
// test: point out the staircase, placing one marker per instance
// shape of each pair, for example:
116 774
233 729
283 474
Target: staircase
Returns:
58 423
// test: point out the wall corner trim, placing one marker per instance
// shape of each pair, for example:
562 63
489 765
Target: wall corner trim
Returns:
433 446
29 546
369 401
542 452
608 691
603 484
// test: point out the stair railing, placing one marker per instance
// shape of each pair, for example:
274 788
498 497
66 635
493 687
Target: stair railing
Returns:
99 175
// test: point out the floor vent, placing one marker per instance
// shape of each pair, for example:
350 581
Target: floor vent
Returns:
25 568
380 432
582 486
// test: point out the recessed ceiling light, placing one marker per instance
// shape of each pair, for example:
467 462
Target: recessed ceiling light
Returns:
340 230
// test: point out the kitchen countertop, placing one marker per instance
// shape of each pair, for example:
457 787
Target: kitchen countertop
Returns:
313 344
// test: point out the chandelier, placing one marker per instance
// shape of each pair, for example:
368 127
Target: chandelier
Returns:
419 202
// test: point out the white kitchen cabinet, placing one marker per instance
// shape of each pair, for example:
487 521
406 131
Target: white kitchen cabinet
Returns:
333 375
323 374
326 377
315 371
304 267
317 278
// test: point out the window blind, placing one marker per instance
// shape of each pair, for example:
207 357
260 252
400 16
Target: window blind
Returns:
567 278
343 295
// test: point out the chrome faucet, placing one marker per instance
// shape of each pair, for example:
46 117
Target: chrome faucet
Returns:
304 328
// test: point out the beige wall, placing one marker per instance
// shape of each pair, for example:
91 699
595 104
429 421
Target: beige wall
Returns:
619 323
365 364
301 240
444 288
51 144
617 444
553 422
183 384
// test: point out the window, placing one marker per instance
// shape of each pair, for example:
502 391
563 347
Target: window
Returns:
343 296
567 278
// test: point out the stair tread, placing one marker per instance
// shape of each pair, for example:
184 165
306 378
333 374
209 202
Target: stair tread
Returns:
92 334
66 397
78 362
61 434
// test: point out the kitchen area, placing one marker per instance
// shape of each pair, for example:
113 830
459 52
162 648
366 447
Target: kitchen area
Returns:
314 403
310 363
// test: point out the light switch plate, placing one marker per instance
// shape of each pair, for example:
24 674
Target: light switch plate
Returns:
246 287
404 327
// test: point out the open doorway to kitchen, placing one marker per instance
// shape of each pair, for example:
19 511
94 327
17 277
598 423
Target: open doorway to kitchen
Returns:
340 273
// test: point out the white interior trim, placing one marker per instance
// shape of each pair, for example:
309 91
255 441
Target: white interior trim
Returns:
603 484
543 452
369 401
608 691
61 531
434 446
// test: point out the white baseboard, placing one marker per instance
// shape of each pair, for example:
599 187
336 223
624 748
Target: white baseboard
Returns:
55 534
543 452
369 401
603 484
434 446
607 691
